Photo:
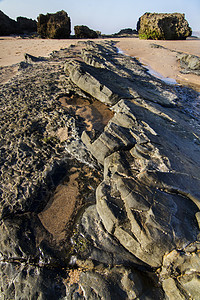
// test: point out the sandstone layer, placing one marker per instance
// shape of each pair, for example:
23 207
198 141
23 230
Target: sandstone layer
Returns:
128 184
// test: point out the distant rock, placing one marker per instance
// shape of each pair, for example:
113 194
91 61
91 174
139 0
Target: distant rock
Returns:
54 26
163 26
127 31
26 25
7 25
22 25
84 32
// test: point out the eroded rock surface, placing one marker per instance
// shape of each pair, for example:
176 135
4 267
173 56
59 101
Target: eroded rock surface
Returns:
189 63
163 26
84 32
98 208
54 26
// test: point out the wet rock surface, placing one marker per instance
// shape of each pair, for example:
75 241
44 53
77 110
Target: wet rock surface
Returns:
100 187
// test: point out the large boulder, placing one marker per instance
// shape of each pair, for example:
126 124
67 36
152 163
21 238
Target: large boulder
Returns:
54 26
7 25
22 25
127 31
163 26
26 25
84 32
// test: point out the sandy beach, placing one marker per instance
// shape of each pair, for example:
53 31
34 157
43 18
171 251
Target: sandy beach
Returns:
161 60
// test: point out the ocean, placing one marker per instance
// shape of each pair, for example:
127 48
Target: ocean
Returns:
196 33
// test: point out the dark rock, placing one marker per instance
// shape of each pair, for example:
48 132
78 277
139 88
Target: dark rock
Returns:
149 199
29 59
139 237
99 77
127 31
54 26
113 283
7 25
189 63
101 246
162 26
23 281
23 25
84 32
26 25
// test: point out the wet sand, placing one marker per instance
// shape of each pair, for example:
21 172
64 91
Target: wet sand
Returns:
162 60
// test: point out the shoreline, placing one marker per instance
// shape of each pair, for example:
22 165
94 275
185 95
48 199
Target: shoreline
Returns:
162 59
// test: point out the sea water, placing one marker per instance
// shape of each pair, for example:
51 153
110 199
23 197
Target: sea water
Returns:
153 72
196 33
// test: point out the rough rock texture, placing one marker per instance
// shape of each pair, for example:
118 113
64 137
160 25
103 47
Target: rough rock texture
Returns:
54 26
84 32
22 25
162 26
133 229
189 63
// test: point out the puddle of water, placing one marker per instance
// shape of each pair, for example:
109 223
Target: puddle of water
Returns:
119 51
159 76
154 73
95 114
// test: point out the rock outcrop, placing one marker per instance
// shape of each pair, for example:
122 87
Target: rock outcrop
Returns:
127 32
26 25
22 25
54 26
7 25
84 32
98 212
189 63
162 26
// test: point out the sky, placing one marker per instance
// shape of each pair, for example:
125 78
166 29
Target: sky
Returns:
107 16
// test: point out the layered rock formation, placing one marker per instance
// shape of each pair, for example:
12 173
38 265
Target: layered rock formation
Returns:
84 32
54 26
98 211
159 26
22 25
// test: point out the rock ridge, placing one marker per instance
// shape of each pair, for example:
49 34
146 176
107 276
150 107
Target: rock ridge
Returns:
134 228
